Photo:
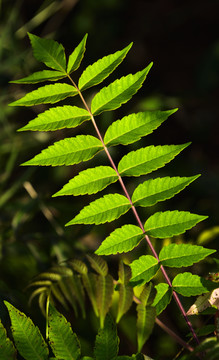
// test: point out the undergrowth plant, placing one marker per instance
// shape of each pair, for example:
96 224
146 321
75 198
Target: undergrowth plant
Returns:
67 283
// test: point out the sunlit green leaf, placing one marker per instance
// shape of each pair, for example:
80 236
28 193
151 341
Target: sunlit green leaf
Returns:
89 181
57 118
180 255
145 160
170 223
105 209
118 92
46 94
123 239
188 284
7 349
69 151
97 72
40 76
76 56
49 52
143 269
159 189
133 127
162 298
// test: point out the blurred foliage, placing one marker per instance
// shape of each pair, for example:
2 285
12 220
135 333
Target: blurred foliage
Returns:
182 40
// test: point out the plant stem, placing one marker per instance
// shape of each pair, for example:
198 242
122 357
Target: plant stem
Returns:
179 304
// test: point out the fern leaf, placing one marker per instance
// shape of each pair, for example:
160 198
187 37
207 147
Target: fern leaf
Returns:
143 269
7 349
180 255
89 181
118 92
107 341
98 264
40 76
50 52
125 300
105 209
170 223
162 298
46 94
159 189
121 240
27 336
56 118
97 72
145 160
76 56
133 127
104 296
188 284
145 323
69 151
63 341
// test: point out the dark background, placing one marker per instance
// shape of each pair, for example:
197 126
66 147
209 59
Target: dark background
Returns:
181 38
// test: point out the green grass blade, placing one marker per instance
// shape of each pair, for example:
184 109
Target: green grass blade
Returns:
7 349
63 341
159 189
56 118
46 94
133 127
145 323
121 240
89 181
162 298
143 269
107 341
97 72
50 52
145 160
27 336
180 255
188 284
40 76
76 56
170 223
105 209
69 151
118 92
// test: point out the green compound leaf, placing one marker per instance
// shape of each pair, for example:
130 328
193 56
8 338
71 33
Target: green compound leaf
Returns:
107 341
133 127
145 160
104 295
63 341
170 223
118 92
89 181
145 322
69 151
50 52
40 76
180 255
105 209
46 94
188 284
27 336
56 118
121 240
98 264
143 269
97 72
76 56
162 298
159 189
7 349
